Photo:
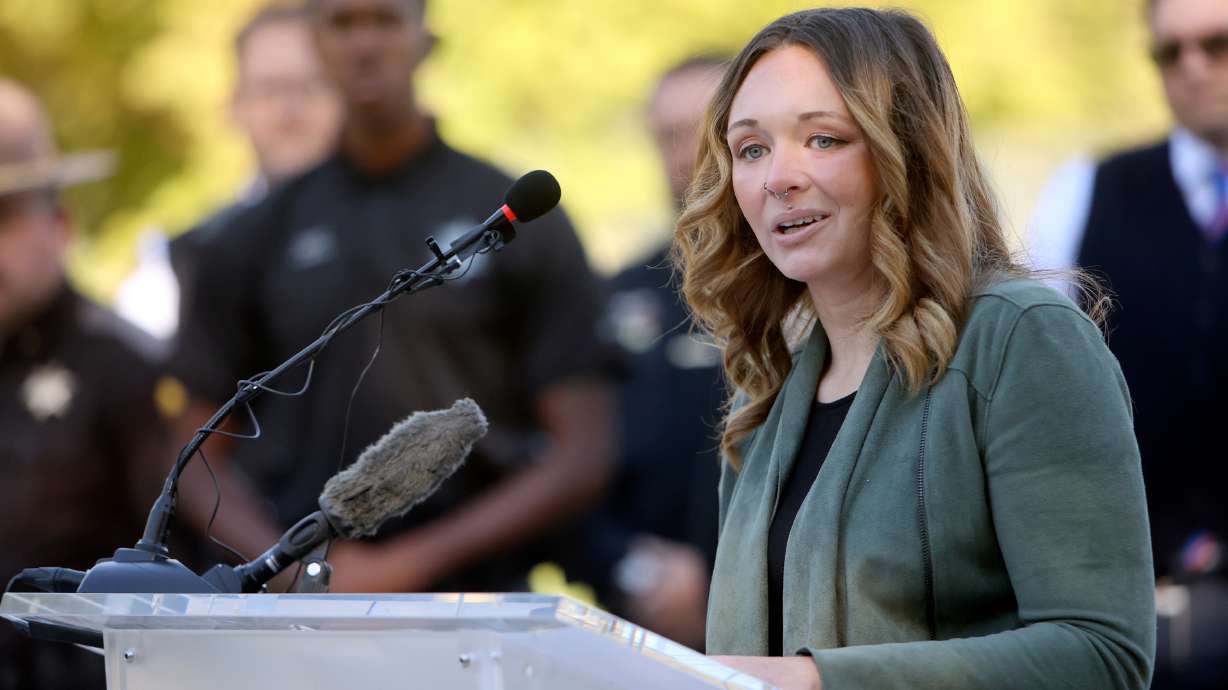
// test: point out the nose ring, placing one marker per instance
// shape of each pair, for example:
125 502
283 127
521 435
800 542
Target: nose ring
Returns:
780 196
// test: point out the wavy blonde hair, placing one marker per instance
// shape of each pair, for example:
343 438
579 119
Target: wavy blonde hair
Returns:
934 234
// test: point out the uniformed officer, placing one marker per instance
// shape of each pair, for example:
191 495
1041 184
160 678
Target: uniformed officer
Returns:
83 447
517 334
656 534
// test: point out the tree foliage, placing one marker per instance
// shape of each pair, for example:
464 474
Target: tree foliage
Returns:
534 83
75 56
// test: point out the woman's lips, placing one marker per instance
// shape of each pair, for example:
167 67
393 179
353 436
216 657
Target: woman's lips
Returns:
797 223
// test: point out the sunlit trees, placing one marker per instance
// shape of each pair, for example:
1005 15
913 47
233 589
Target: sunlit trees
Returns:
534 83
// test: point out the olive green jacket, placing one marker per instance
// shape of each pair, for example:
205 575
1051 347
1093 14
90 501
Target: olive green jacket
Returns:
987 532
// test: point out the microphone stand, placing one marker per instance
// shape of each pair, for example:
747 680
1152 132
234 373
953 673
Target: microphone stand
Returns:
148 567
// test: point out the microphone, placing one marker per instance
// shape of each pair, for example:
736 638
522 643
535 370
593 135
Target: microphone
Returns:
529 198
391 476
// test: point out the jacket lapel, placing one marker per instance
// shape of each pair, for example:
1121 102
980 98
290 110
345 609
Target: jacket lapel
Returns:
814 607
738 601
796 399
814 588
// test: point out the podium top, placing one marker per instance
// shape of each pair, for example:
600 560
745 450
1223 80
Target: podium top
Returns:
498 613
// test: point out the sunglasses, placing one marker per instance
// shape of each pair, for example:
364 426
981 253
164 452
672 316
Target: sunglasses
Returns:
1168 53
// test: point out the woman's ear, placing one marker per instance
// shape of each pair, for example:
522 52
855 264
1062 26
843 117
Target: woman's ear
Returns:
424 46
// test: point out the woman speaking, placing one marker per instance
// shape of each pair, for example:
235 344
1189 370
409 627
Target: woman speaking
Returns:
940 487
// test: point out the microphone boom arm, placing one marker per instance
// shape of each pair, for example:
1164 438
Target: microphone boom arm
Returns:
490 236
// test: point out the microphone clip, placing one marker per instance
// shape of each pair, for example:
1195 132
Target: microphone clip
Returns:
315 577
448 264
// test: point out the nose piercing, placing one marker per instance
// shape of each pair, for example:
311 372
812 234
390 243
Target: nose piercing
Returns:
780 196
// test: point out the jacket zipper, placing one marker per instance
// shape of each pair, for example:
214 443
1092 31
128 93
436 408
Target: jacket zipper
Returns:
923 523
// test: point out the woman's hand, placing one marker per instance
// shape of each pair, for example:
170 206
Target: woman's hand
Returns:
786 673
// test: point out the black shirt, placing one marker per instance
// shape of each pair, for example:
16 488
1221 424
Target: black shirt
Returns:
266 284
83 455
821 429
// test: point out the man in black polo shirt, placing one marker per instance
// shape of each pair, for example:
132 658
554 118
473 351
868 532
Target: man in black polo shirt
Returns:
516 334
83 449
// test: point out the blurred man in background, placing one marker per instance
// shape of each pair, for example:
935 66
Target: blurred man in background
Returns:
83 449
516 333
651 550
288 112
1153 222
283 102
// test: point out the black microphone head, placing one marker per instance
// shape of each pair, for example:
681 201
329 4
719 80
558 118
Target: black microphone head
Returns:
533 195
401 469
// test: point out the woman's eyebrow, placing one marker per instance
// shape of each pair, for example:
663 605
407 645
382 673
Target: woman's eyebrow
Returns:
745 122
816 114
810 115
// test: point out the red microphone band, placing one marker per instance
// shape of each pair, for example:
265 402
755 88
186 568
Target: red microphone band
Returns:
507 213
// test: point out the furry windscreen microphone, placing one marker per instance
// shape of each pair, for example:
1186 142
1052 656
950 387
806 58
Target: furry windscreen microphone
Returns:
396 473
401 469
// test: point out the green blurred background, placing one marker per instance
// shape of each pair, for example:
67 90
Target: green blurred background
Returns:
539 84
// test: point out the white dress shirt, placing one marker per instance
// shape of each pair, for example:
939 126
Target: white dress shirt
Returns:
1060 216
149 296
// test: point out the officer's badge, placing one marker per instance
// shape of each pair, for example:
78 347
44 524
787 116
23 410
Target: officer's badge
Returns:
637 319
312 247
170 397
48 391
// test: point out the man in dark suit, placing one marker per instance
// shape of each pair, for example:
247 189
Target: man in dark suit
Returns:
1153 223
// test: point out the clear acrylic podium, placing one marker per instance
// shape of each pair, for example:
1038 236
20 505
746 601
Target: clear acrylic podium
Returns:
404 641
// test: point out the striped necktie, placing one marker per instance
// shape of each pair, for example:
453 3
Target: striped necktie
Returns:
1214 231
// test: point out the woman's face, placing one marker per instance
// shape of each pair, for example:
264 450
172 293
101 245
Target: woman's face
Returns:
791 132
